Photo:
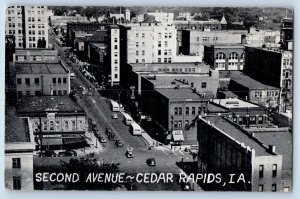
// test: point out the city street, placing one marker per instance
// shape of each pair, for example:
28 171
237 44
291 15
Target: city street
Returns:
98 108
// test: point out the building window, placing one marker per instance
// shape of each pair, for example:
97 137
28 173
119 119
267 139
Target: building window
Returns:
175 124
193 110
59 92
159 43
19 80
54 80
65 92
136 35
187 110
137 52
54 92
59 80
45 126
252 120
159 60
66 126
260 120
136 61
51 125
220 55
176 110
274 187
116 47
166 44
261 171
27 81
116 61
165 52
80 125
143 52
137 44
17 183
203 85
233 55
64 80
179 110
73 125
16 163
28 93
143 35
165 60
116 39
36 80
116 76
261 188
179 124
274 170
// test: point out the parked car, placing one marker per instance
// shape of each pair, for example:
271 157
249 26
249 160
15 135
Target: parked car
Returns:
114 115
102 139
111 136
48 153
67 153
129 153
151 162
108 131
119 143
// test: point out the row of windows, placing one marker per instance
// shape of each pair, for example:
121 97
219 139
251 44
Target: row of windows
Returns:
261 188
191 70
55 125
166 52
188 110
59 80
165 44
137 35
166 60
261 170
178 123
32 19
38 12
248 120
232 55
137 44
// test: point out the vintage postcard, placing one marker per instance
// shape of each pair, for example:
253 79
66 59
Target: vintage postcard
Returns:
134 98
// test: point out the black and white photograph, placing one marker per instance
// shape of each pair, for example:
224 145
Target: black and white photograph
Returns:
148 98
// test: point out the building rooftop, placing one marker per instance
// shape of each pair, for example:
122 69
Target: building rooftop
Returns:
40 68
244 80
182 94
233 103
16 129
238 135
212 108
284 145
226 45
171 80
38 104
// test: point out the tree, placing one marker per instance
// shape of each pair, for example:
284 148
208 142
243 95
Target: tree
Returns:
41 43
85 166
149 18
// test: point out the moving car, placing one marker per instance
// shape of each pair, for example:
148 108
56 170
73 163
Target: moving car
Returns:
108 131
102 139
129 153
111 136
119 143
151 162
114 115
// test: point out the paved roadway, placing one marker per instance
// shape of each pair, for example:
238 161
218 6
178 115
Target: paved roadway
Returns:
98 108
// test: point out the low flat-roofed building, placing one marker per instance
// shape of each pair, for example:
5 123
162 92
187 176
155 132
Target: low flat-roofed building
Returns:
35 55
250 89
244 113
42 78
225 148
19 147
57 121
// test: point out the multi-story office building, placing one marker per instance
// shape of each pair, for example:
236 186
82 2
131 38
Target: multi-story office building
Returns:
193 41
225 56
19 147
29 24
113 55
34 55
272 67
259 156
42 78
150 43
287 34
15 25
56 121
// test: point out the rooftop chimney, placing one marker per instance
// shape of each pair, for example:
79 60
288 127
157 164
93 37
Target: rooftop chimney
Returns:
272 148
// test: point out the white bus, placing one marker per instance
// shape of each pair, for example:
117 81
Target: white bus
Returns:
114 106
127 119
135 129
